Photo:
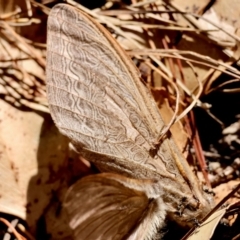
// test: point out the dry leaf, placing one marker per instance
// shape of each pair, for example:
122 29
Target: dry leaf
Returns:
207 228
33 160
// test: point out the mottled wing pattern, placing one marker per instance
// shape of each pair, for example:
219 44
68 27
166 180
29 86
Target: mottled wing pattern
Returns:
102 207
96 98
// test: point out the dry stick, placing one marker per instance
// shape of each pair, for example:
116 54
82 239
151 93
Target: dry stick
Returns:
24 96
207 110
153 46
31 50
199 151
224 84
152 14
236 90
196 140
45 9
200 158
140 4
237 237
6 16
40 59
21 22
198 55
231 71
155 26
29 8
170 60
174 117
23 230
194 102
9 225
191 17
197 96
219 69
184 113
176 27
174 77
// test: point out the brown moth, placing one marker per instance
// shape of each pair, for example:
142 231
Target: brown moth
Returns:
97 100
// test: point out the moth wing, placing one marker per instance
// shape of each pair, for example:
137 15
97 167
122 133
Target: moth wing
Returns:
96 98
104 206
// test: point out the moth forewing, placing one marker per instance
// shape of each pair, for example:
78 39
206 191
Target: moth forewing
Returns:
97 100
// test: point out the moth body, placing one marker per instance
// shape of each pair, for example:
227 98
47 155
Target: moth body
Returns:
97 100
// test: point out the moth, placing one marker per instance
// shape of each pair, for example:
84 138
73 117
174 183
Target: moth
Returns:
97 100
